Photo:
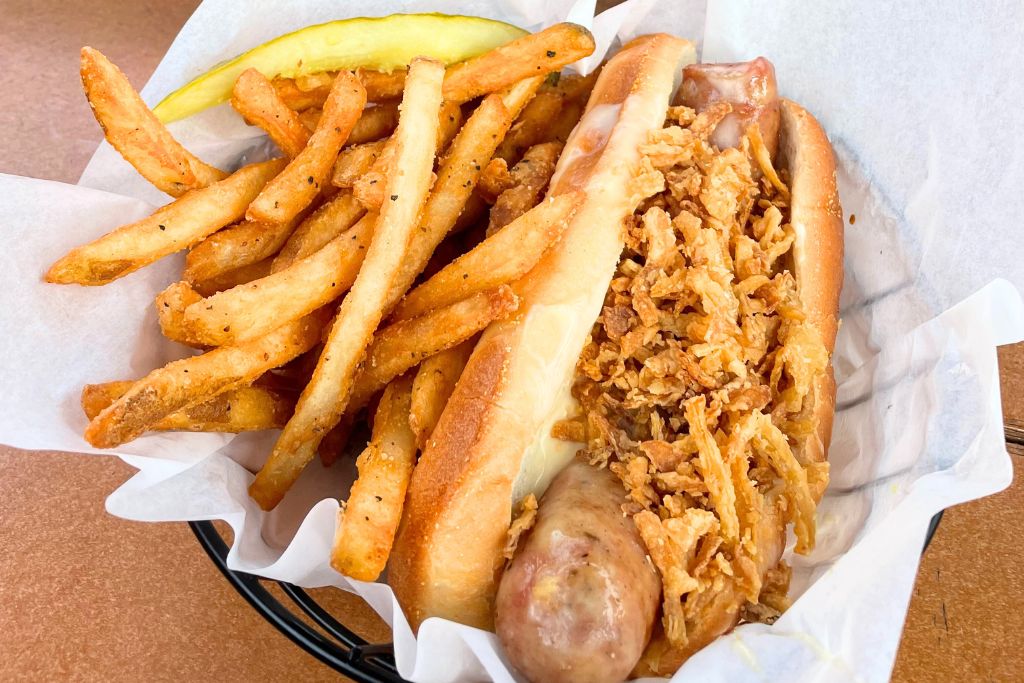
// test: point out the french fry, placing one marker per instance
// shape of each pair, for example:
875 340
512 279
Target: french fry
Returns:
534 54
530 178
498 260
369 188
376 122
458 174
251 310
256 100
435 381
233 278
368 520
323 401
171 228
239 245
247 409
136 133
550 116
319 228
170 312
304 93
532 126
181 384
299 183
354 162
381 85
402 345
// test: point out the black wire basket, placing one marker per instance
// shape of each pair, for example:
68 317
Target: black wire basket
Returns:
332 643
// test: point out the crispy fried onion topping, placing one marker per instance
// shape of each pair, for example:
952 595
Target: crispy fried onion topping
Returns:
697 382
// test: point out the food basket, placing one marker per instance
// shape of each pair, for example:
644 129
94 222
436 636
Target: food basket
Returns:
331 642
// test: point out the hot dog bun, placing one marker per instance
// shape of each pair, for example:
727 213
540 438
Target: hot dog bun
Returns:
816 217
488 447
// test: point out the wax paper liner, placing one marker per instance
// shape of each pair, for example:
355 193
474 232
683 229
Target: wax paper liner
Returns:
918 423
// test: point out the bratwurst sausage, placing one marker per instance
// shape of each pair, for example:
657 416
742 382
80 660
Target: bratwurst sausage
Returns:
579 599
748 86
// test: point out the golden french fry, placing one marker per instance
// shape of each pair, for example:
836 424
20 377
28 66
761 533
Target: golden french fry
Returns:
460 169
402 345
368 520
500 259
529 180
323 401
256 100
532 126
233 278
369 188
300 94
435 381
299 183
170 312
171 228
247 409
134 131
355 161
239 245
381 85
181 384
534 54
319 228
254 309
376 122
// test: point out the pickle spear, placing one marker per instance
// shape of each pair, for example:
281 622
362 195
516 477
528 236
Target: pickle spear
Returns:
381 43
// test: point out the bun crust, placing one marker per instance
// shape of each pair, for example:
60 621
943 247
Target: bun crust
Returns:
817 220
448 552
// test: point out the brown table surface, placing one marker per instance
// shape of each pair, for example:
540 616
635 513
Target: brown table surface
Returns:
88 596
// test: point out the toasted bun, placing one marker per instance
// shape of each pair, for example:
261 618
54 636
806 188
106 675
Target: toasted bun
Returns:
448 552
816 217
817 220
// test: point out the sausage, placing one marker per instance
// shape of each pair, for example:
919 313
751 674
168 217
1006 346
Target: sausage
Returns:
579 599
748 86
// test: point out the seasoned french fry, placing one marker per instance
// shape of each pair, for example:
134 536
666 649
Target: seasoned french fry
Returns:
355 161
376 122
170 312
534 54
368 520
240 245
319 228
299 183
233 278
134 131
246 409
402 345
323 401
433 386
498 260
529 178
300 94
256 100
171 228
369 188
458 175
251 310
381 85
181 384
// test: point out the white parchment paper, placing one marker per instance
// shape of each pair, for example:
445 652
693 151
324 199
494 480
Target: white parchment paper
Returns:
920 103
